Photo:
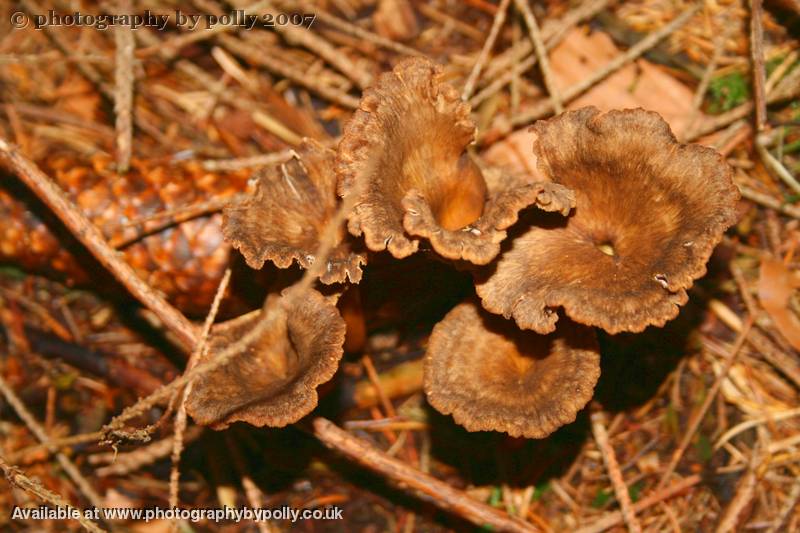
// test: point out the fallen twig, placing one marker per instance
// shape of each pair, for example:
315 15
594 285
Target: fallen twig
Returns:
437 492
614 473
612 519
123 93
38 431
757 54
541 54
17 479
181 416
497 23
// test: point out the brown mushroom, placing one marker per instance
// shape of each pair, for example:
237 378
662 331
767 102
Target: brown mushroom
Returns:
284 217
492 376
649 213
403 154
273 381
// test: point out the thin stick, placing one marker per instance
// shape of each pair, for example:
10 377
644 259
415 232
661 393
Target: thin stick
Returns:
167 218
298 35
780 71
17 479
254 495
777 167
38 431
712 393
239 163
180 416
388 408
497 23
615 64
705 81
255 55
787 88
541 53
121 464
612 519
356 31
553 34
437 492
615 474
55 445
83 229
123 93
788 506
745 491
461 27
784 362
757 54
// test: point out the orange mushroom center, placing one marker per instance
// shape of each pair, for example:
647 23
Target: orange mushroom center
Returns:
458 199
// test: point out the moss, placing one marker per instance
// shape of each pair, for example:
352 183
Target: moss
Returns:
727 92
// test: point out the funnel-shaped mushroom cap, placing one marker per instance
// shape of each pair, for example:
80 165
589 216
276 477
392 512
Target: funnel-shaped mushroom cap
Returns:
285 216
490 375
479 242
649 213
403 154
273 381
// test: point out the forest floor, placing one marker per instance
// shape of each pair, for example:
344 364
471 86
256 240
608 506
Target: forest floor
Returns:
693 427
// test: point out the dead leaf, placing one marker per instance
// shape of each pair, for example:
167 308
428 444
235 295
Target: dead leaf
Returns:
639 84
775 285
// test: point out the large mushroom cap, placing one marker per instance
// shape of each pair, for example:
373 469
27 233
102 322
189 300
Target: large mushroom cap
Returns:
273 381
403 154
283 219
492 376
648 214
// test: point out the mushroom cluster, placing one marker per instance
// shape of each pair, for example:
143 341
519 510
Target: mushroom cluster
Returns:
624 224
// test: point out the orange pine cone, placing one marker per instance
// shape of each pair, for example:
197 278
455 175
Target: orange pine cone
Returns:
184 261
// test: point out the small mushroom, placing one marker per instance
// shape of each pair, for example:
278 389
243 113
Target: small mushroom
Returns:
403 153
649 213
492 376
284 217
273 381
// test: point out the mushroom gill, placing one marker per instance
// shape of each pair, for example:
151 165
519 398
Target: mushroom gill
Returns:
284 217
492 376
404 154
273 381
649 212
